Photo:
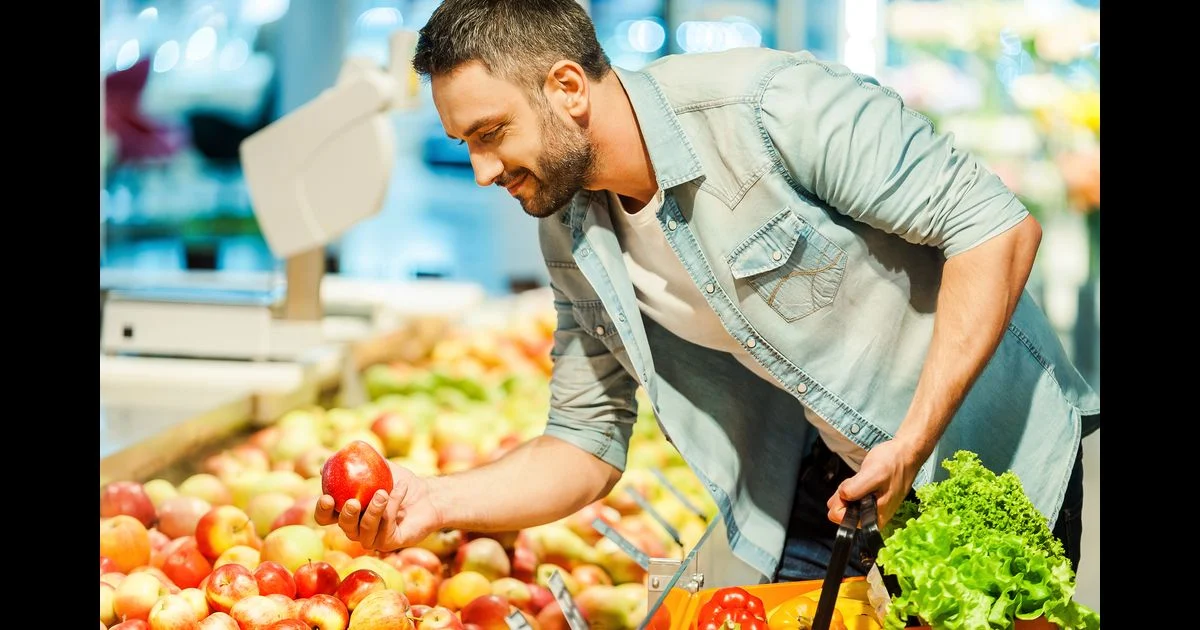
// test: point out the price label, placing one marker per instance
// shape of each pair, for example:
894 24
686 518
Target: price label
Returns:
687 503
558 589
517 621
629 548
647 508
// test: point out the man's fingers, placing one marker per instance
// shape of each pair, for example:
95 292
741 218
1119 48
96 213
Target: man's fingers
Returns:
368 525
348 518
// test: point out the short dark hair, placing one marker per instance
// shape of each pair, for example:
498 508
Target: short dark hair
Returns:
517 40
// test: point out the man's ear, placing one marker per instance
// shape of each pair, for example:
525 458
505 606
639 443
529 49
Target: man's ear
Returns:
567 87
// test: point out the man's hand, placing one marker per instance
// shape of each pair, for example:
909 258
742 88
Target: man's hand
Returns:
887 472
388 522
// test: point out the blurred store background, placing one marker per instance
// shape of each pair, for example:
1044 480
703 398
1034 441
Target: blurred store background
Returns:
183 82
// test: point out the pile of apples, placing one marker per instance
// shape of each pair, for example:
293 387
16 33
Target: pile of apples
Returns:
235 544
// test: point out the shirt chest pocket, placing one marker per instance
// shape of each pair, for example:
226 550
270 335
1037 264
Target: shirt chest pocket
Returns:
791 265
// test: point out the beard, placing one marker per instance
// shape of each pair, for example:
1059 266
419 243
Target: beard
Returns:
566 164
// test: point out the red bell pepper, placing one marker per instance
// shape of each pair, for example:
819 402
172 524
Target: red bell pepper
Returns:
731 608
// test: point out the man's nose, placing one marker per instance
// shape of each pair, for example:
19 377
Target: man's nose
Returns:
487 168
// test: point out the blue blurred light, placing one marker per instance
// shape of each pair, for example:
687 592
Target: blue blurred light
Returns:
167 56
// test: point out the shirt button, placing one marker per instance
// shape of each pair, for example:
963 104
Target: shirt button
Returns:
709 287
621 317
750 342
671 225
585 252
777 256
712 486
801 387
599 330
854 428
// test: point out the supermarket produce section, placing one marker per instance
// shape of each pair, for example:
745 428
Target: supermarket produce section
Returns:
208 491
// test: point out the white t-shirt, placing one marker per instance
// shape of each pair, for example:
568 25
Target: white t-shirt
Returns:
667 295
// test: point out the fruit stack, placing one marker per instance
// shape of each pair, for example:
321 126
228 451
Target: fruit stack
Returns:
235 544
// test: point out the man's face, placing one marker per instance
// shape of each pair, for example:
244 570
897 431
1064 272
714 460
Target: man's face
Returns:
539 155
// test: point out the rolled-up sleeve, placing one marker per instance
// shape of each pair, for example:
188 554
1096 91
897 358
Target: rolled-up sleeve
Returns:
592 398
859 149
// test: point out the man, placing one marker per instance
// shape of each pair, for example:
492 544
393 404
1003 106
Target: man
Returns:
822 297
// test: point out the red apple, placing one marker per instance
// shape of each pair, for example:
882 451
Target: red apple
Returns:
336 538
208 487
218 621
443 543
539 598
316 578
244 555
420 586
196 597
356 471
172 612
125 541
258 612
107 565
357 585
487 612
423 558
457 456
302 512
136 594
324 612
591 575
223 527
273 577
460 589
485 556
178 515
381 610
439 618
515 591
310 462
127 497
524 563
184 564
293 545
158 573
416 611
229 584
551 617
395 431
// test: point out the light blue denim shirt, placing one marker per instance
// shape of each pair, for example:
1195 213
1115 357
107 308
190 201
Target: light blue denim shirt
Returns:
815 213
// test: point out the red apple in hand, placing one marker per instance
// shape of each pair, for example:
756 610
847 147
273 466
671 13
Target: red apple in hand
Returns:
356 471
273 577
357 585
439 618
316 578
127 497
324 612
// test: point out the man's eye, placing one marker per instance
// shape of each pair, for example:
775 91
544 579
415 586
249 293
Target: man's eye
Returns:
491 135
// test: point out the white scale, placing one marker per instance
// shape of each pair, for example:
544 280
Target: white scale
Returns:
311 175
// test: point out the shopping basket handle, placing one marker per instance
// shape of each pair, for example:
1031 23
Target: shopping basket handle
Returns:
846 533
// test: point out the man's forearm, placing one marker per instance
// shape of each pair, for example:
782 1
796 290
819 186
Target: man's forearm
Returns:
980 290
538 482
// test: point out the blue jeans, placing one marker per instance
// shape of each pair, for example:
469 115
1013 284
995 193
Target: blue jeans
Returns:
811 535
